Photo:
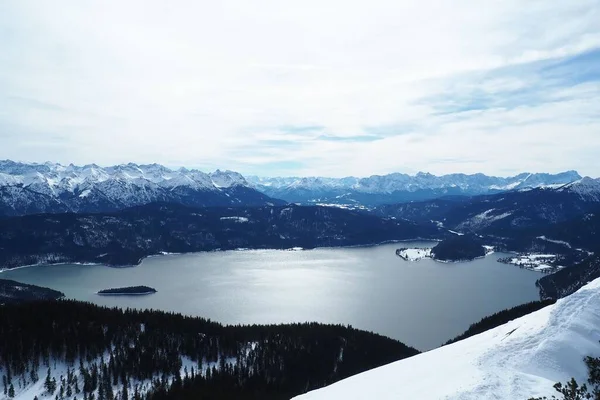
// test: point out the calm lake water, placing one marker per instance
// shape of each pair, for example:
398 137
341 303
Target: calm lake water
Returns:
422 303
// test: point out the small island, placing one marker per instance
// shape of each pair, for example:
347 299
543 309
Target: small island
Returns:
127 291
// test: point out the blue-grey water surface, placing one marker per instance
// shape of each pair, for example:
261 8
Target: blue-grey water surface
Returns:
422 303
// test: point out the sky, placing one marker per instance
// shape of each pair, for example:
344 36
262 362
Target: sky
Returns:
303 88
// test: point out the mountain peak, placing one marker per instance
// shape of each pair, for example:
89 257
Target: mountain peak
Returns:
227 178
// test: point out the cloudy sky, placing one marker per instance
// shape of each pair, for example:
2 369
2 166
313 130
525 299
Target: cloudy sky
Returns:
327 87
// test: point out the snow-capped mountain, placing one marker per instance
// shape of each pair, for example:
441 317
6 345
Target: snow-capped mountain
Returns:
587 188
397 187
519 360
48 187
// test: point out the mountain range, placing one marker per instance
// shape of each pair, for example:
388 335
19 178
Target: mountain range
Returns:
398 188
54 188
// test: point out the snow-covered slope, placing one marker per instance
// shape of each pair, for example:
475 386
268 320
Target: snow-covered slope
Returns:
518 360
397 187
35 188
587 188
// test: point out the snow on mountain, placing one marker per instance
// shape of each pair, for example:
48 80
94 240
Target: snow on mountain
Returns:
35 188
398 187
587 188
6 179
225 179
518 360
479 183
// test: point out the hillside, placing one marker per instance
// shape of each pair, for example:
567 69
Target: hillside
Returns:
12 292
125 237
504 213
569 280
518 360
67 350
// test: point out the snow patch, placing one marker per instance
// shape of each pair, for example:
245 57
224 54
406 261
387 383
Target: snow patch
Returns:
555 241
413 254
235 219
535 262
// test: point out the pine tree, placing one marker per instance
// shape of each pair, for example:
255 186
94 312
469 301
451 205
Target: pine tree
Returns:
101 392
48 382
125 393
11 391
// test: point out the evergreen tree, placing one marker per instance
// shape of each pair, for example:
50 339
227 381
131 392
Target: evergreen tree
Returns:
101 392
11 391
48 382
125 392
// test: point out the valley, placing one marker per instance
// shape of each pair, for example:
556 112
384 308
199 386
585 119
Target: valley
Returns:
449 251
309 200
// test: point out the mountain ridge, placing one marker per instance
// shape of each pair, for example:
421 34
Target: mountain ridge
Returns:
50 187
399 187
28 188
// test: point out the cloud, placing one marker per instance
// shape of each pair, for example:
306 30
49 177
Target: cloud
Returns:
308 88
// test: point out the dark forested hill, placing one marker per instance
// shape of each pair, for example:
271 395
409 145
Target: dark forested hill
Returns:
459 248
126 236
502 213
570 279
15 292
79 349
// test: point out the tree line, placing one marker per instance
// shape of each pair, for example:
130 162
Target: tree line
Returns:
89 352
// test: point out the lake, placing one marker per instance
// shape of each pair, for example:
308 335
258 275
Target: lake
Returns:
422 303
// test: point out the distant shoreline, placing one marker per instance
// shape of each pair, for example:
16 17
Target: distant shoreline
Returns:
164 253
